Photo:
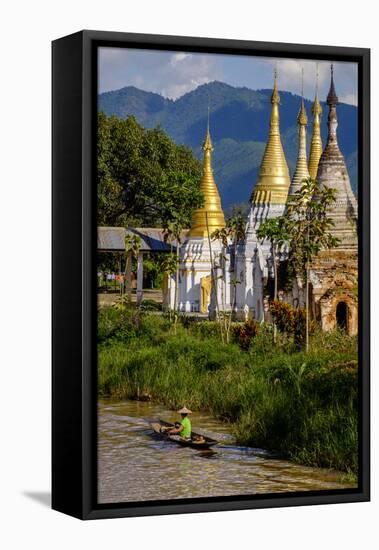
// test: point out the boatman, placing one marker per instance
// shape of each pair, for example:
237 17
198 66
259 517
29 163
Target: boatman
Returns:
184 429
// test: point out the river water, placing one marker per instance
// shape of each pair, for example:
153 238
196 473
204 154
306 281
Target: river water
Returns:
133 465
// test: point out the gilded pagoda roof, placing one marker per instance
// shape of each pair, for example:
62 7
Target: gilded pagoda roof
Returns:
274 180
210 216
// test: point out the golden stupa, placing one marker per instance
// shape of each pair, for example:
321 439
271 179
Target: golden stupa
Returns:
316 142
274 180
210 217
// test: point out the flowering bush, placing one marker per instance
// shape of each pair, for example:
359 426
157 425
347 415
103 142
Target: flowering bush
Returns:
243 334
289 320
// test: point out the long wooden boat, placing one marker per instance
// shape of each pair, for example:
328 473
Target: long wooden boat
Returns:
197 441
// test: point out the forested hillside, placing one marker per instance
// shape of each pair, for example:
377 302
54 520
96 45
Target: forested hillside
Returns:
239 126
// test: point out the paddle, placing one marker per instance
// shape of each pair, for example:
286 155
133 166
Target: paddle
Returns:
158 428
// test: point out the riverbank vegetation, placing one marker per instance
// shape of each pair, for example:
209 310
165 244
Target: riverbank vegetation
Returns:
303 405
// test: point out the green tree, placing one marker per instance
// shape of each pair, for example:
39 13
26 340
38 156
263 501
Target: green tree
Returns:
152 266
143 177
309 228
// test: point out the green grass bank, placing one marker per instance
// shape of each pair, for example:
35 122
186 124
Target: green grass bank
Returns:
275 397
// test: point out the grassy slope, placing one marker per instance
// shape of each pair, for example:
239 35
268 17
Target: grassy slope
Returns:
304 405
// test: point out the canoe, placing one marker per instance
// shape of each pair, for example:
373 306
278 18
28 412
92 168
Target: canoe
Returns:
197 441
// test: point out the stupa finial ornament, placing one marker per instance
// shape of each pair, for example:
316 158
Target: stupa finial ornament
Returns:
316 141
316 107
302 116
207 144
275 97
332 98
301 171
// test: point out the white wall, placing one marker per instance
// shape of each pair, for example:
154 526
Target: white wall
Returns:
27 29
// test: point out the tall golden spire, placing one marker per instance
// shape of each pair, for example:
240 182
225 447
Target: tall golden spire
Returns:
274 180
316 142
301 170
211 211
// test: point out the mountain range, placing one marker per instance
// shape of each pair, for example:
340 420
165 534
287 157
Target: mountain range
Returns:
239 122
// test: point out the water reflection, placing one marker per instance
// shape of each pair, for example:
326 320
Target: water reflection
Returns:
133 465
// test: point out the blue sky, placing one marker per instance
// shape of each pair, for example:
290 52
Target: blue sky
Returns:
172 74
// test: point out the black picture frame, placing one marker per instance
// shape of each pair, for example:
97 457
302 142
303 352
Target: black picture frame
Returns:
74 399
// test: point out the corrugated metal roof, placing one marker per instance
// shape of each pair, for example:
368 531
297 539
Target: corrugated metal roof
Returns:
112 239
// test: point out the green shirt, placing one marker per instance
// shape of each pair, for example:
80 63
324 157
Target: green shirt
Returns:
186 431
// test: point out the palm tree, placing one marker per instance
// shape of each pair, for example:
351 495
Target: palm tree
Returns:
172 231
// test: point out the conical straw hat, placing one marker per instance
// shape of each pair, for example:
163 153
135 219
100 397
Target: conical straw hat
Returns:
184 410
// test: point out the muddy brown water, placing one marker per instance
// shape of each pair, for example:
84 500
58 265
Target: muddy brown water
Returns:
134 465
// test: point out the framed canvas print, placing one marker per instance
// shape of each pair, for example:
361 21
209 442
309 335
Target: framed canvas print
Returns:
210 274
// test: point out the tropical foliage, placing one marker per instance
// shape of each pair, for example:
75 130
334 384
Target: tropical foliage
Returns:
245 333
143 177
290 320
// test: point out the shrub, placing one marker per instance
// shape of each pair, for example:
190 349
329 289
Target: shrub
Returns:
290 320
206 329
116 324
243 334
150 305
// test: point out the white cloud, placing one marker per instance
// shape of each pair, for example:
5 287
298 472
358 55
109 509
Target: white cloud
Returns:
185 72
173 74
166 73
178 57
290 76
351 99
